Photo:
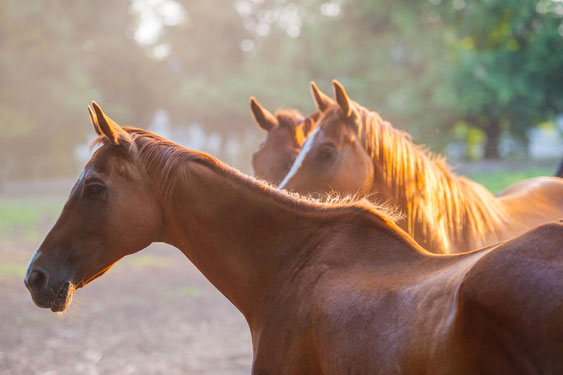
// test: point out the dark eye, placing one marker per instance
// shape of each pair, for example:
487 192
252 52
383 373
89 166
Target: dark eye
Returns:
94 190
326 152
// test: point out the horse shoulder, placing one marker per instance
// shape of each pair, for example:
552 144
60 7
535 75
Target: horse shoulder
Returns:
350 317
294 314
510 306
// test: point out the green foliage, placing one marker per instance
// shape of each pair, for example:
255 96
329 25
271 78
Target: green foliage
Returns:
473 138
425 66
506 71
56 57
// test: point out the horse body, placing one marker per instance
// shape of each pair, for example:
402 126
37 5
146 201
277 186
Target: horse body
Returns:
532 201
355 150
325 289
355 319
465 315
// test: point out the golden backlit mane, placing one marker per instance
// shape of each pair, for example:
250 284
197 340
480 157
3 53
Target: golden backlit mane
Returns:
449 206
164 160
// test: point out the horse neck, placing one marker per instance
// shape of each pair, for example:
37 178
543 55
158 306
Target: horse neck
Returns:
250 240
232 232
443 211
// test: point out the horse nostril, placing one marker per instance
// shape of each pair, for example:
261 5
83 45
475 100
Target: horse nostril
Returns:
36 280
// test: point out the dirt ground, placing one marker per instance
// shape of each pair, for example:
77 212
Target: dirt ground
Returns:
153 313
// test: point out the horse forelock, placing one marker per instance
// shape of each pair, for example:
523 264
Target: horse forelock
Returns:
296 123
289 117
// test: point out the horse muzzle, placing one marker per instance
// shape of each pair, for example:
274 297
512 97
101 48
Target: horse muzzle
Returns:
56 296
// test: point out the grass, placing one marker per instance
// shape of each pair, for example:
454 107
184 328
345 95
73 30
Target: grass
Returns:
143 261
497 180
7 270
24 216
188 291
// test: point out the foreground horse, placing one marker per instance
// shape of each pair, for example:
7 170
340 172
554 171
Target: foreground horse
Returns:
325 289
287 131
354 150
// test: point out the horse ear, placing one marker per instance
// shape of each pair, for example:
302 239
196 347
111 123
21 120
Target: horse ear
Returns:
262 117
94 120
322 101
308 125
342 98
108 127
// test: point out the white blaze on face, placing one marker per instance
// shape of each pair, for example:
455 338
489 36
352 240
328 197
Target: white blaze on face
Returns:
80 176
302 154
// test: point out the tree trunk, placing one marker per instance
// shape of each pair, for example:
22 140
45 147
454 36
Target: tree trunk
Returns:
493 137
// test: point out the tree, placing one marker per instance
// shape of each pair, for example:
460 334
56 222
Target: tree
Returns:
506 65
56 57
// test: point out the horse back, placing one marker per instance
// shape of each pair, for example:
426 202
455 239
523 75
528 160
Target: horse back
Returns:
539 189
510 307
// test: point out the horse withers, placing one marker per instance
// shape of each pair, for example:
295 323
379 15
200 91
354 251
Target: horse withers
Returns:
325 288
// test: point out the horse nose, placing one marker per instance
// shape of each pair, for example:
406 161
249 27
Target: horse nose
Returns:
36 280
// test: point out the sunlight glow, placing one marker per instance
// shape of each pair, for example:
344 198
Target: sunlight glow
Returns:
152 15
331 9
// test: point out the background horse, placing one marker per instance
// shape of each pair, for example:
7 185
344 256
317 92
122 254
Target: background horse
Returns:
287 131
326 289
354 150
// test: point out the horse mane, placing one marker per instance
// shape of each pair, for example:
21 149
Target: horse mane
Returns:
165 159
450 206
289 117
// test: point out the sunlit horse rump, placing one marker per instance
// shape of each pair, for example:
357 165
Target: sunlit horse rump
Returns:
355 150
326 289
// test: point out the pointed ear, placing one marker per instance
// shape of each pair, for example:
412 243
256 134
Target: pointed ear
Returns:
108 127
262 116
94 121
342 98
308 125
322 101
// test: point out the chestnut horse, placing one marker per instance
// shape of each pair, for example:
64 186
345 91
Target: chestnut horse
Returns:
287 131
354 150
325 289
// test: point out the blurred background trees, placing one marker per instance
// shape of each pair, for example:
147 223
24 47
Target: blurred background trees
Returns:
448 71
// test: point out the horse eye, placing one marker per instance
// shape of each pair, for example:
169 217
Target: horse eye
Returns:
326 152
94 190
